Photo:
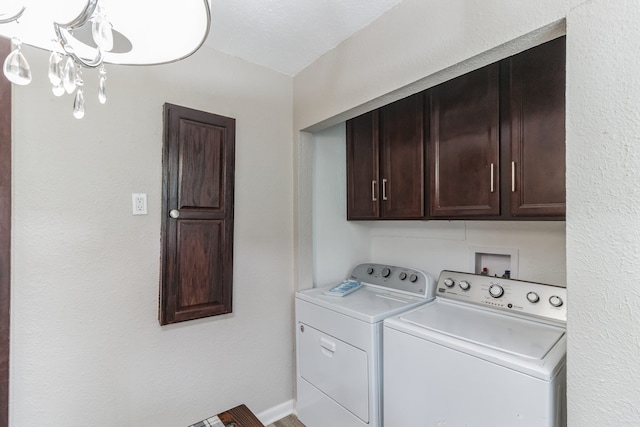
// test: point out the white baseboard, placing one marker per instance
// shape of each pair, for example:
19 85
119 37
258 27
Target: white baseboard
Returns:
276 413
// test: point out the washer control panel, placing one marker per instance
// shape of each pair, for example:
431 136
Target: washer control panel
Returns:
401 279
531 298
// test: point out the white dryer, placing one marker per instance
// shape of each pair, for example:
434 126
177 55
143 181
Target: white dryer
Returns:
487 352
339 344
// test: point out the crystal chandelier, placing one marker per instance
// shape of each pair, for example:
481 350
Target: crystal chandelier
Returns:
84 34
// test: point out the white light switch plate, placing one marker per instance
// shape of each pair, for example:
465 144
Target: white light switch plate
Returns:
139 203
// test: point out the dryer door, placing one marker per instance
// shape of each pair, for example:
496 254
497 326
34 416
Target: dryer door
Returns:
336 368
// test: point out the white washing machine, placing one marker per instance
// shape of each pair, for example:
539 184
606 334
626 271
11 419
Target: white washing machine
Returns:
339 344
487 352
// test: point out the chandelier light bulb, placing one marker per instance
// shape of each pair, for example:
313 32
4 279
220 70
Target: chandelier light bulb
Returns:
78 105
58 90
16 68
102 31
69 76
55 68
102 94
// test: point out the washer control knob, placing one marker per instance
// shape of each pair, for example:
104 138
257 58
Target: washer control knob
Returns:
370 270
449 283
496 291
413 278
386 272
556 301
533 297
403 275
464 285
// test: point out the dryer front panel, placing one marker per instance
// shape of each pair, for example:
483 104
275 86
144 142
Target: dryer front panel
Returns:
336 368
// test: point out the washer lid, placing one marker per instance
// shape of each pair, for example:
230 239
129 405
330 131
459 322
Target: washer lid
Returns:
513 335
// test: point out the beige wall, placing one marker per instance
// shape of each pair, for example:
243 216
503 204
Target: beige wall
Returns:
86 345
414 46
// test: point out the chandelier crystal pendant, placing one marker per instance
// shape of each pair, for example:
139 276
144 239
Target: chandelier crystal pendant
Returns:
86 34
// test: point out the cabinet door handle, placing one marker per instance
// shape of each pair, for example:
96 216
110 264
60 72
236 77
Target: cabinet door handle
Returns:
384 189
373 191
492 189
513 177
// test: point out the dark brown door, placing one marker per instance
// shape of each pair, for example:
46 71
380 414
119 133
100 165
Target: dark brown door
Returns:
197 223
363 200
402 159
465 146
537 122
5 234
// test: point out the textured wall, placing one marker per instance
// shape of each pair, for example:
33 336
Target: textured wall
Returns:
415 45
86 346
338 245
603 235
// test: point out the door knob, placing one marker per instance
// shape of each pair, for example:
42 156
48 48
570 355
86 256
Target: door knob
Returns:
174 213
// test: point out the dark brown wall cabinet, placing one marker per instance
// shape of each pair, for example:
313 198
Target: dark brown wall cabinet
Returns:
498 139
495 144
385 162
535 125
465 145
197 215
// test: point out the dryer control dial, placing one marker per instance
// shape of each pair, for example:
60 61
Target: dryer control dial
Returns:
496 291
386 272
464 285
449 283
533 297
403 275
555 301
413 278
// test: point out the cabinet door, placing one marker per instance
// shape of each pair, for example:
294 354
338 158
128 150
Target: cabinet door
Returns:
537 122
464 145
197 215
402 159
363 201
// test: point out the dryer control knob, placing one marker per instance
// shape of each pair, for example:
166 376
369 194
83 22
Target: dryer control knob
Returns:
449 283
370 270
386 272
413 278
555 301
496 291
464 285
403 275
533 297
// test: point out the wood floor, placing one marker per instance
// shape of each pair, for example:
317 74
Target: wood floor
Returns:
290 421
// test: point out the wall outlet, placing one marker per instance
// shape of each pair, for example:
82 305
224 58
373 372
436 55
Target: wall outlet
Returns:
139 202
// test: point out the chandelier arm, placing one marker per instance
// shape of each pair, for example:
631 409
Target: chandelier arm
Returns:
92 63
14 17
79 21
83 17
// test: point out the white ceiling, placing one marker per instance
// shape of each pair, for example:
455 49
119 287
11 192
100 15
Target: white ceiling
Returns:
288 35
